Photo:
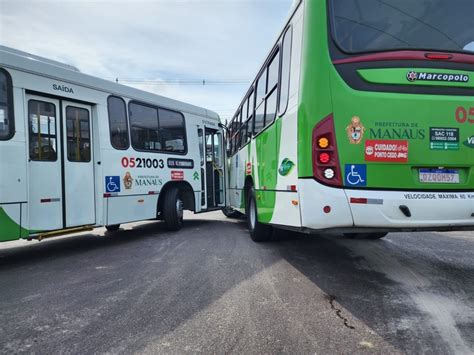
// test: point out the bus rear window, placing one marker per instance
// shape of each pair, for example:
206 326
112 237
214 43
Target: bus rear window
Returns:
381 25
7 128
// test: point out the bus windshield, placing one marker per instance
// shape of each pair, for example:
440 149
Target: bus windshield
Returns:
381 25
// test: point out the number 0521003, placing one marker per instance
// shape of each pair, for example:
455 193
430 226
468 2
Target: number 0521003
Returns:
141 163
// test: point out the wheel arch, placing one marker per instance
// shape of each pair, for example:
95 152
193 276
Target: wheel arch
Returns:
186 193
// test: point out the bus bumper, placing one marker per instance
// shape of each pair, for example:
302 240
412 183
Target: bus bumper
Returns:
364 210
412 210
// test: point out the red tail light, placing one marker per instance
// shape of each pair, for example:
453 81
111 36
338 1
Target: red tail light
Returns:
324 158
326 168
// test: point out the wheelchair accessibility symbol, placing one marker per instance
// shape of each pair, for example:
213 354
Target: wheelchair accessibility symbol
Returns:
356 175
112 184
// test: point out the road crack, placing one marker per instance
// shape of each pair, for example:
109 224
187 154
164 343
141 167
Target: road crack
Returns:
338 311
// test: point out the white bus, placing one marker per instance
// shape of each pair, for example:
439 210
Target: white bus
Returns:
78 152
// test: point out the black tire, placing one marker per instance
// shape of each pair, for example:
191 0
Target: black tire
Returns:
259 232
112 227
375 236
173 210
229 212
369 236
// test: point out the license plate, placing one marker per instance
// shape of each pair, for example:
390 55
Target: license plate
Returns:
439 176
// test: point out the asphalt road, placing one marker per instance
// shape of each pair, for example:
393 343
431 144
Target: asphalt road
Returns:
209 289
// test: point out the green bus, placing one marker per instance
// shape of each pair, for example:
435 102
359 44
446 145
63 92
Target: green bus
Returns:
360 121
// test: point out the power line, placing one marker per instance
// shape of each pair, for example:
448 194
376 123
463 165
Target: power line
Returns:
202 82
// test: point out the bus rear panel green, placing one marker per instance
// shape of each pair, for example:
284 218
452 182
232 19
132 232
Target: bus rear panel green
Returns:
399 136
406 125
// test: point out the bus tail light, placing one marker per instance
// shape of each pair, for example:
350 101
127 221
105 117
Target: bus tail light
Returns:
324 158
326 168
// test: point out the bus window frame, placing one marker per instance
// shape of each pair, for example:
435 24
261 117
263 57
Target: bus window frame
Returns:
156 151
249 119
56 135
126 122
275 51
10 109
89 121
289 29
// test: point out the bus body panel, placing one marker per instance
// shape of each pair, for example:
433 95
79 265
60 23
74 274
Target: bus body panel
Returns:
130 209
287 210
314 198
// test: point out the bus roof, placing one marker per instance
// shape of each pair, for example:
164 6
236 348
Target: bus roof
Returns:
23 61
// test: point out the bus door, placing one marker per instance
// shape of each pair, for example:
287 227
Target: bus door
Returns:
44 164
60 168
214 168
78 165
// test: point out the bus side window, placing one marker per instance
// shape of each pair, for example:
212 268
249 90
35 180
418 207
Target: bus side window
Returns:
229 140
244 135
144 127
285 71
78 135
118 124
251 114
272 89
201 145
260 104
173 131
7 129
42 131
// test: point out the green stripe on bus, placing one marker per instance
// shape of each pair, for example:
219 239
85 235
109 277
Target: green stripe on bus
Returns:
9 230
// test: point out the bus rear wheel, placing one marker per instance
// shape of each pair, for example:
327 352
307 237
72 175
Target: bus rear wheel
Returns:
112 227
259 232
173 209
369 236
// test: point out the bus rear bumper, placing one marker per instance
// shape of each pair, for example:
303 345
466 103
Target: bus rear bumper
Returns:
412 210
364 210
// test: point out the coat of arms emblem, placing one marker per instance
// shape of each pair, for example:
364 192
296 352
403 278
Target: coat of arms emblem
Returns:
128 181
355 131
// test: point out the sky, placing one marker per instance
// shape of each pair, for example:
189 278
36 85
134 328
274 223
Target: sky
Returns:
154 44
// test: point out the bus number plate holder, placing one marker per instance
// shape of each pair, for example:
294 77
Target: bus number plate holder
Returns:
439 176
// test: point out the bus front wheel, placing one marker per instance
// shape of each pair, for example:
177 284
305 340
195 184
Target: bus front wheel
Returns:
173 209
259 232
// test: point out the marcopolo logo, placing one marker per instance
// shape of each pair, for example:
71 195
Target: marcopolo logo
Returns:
423 76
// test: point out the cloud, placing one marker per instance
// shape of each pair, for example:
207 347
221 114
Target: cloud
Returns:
162 40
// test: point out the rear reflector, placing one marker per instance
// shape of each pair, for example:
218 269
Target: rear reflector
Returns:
366 201
362 201
48 200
